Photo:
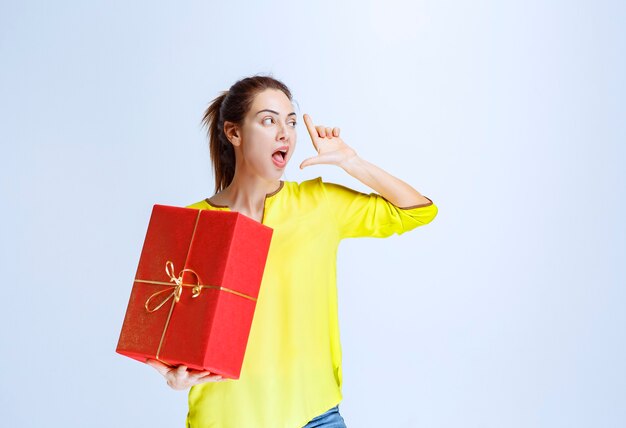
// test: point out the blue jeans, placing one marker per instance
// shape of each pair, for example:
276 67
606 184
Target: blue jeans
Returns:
329 419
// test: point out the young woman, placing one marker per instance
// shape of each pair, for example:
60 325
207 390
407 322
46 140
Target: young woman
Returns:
291 375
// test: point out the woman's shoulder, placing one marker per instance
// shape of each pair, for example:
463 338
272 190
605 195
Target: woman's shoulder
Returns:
309 187
317 188
310 183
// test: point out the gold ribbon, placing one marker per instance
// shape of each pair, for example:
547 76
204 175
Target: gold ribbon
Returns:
178 287
177 292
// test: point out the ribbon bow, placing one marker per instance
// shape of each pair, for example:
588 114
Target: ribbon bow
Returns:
178 287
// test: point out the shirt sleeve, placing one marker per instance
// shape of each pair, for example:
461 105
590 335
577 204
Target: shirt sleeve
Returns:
359 214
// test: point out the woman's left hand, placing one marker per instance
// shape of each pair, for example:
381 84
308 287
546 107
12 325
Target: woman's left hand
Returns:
330 148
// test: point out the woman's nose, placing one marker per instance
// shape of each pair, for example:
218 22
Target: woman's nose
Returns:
282 132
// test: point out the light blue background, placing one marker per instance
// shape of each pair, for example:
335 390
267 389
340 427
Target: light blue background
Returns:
508 310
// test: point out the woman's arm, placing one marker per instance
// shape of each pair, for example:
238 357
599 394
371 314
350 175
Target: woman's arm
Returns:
389 187
333 150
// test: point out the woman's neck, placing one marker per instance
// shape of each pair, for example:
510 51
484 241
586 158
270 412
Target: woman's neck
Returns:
246 194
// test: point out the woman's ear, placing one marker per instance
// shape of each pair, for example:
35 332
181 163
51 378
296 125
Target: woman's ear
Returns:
231 130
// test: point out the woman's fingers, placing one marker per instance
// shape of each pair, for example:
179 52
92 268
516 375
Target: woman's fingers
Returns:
200 373
210 378
319 131
192 375
159 366
181 377
327 131
310 127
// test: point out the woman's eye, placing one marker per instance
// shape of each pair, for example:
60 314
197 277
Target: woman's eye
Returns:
293 124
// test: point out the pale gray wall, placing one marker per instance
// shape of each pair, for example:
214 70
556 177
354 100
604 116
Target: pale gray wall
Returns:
507 311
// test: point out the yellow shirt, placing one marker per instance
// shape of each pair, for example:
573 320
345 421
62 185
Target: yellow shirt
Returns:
292 367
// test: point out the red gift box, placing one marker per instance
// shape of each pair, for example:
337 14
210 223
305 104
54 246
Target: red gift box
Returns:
200 316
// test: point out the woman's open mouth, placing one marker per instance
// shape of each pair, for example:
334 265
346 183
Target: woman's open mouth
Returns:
279 157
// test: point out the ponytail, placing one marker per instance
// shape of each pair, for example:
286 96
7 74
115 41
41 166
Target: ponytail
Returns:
222 151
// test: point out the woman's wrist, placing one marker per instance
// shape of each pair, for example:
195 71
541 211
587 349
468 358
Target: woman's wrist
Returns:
352 165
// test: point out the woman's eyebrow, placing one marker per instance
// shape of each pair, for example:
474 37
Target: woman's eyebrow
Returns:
272 111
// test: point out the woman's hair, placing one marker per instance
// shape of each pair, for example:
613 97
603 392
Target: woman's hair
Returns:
232 106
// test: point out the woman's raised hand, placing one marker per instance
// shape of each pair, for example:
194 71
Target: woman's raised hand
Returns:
182 378
330 148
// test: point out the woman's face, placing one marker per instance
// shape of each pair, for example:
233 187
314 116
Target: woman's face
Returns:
268 127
